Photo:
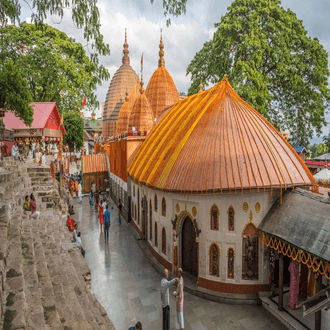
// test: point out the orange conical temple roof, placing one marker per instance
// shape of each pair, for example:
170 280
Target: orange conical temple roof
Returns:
161 90
215 141
124 116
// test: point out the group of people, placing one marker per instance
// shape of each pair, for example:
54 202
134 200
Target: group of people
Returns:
74 185
31 205
17 153
165 297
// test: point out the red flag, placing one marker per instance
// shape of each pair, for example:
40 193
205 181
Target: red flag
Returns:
84 103
142 62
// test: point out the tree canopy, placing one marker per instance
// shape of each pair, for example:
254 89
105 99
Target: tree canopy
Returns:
271 63
74 126
15 95
318 150
54 66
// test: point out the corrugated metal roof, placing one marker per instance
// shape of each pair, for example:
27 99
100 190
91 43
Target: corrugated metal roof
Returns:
303 220
95 163
41 113
215 141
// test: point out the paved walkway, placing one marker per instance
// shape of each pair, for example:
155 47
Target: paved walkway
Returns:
128 287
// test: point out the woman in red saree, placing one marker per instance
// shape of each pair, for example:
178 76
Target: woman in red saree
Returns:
70 223
101 215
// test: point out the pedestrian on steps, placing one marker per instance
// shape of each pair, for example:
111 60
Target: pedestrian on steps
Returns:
119 210
33 208
101 215
106 223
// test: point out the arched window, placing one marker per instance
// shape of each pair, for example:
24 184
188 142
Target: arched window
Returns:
150 208
231 218
164 240
163 207
250 253
231 263
156 203
133 190
214 213
214 252
156 232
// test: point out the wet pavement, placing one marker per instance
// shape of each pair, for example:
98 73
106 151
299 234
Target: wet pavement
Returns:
128 287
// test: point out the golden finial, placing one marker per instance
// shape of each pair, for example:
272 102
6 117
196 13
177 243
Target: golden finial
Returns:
126 52
225 77
161 61
141 84
201 86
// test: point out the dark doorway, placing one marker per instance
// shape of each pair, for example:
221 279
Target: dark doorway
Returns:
145 218
189 248
286 272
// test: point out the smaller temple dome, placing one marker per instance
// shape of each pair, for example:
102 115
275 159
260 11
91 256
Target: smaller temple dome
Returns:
161 90
142 114
124 116
134 93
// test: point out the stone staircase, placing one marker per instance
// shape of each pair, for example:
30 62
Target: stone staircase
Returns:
44 280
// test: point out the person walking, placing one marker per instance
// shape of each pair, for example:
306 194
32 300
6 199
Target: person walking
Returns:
101 214
119 210
138 326
91 200
164 293
106 223
179 302
80 192
93 188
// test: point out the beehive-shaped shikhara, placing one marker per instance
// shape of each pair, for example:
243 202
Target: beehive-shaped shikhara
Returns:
142 116
214 141
161 90
123 80
124 117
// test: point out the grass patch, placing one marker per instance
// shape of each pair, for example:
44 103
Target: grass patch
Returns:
62 320
10 299
9 316
50 308
77 291
12 273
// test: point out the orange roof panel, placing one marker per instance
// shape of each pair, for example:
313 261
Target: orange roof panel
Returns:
95 163
215 141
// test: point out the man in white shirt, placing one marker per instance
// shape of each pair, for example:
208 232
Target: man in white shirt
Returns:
34 150
165 296
104 205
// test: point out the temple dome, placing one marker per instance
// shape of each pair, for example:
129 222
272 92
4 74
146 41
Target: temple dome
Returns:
124 79
134 93
142 115
214 141
161 90
124 117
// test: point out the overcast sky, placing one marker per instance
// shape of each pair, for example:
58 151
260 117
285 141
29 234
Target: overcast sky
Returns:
185 36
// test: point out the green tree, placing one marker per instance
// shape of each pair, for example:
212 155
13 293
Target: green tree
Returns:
271 63
15 95
55 67
326 140
318 149
74 126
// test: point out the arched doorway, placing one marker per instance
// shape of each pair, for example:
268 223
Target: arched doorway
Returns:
189 247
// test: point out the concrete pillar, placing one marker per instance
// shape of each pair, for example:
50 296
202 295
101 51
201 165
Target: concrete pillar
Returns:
280 295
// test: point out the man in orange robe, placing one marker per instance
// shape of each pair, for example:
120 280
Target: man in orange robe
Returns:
70 223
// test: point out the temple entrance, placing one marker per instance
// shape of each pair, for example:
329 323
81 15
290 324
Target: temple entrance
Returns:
189 248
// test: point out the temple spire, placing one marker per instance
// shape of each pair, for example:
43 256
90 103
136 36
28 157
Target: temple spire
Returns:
126 52
161 61
141 84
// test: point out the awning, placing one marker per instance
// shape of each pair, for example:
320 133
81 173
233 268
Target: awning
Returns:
302 222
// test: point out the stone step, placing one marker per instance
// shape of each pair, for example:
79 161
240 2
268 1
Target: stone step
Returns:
38 169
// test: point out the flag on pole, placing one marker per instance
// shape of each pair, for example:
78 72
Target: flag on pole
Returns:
84 103
142 62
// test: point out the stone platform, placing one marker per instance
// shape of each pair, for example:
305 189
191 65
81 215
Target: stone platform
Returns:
45 282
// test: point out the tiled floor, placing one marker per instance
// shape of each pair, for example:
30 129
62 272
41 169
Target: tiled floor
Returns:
128 286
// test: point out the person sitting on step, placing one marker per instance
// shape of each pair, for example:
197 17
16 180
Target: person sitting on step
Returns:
26 205
70 223
33 208
75 233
